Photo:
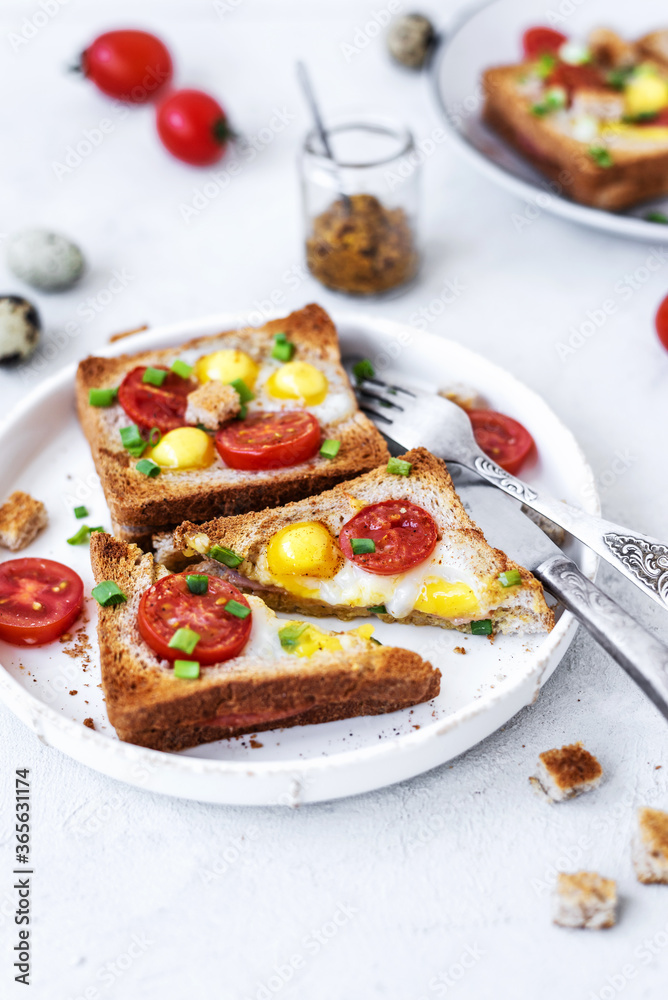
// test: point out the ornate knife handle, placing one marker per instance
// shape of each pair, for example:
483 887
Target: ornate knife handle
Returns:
643 560
642 655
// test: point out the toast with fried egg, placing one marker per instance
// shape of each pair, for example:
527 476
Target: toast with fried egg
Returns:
186 475
287 674
398 544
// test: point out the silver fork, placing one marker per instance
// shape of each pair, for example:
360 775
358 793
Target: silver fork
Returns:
430 421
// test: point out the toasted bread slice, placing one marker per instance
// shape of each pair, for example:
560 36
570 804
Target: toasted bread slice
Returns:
638 168
461 557
263 688
141 506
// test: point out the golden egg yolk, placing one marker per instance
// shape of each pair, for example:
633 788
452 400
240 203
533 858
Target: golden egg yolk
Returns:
313 640
227 366
306 549
298 380
447 600
184 448
645 94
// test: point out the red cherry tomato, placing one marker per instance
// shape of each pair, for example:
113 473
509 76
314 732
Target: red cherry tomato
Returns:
404 535
39 600
659 119
168 605
129 65
162 406
269 440
542 41
505 440
193 127
662 322
574 78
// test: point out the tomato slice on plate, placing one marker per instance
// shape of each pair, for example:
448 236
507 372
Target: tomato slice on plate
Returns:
574 78
39 600
269 440
169 605
162 406
505 440
404 535
542 41
662 322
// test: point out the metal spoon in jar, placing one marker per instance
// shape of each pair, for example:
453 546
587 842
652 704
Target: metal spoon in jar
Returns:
309 94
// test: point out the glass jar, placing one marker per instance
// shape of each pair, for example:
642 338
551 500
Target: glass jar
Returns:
361 212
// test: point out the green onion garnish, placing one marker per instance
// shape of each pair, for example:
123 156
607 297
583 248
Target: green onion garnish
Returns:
81 511
290 634
510 578
108 593
154 376
398 467
283 349
197 583
98 528
181 369
601 156
243 412
154 436
132 440
363 369
184 639
102 397
225 556
545 65
375 641
186 669
657 217
81 536
245 395
148 467
378 609
237 609
330 448
618 78
361 546
483 627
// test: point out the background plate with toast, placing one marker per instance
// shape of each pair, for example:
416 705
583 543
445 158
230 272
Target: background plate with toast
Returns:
56 687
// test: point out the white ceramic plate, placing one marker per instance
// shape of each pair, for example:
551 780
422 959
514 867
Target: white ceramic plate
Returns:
54 688
490 36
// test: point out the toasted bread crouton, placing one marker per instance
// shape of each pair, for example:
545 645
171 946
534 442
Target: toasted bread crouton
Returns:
563 774
21 520
609 49
650 846
585 899
212 405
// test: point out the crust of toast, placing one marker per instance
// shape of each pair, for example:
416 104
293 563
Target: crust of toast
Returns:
430 486
141 506
147 705
634 176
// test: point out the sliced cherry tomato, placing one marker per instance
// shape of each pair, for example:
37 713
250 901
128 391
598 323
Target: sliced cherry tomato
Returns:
661 118
662 322
193 127
169 605
162 406
39 600
505 440
269 440
542 41
403 533
128 65
574 78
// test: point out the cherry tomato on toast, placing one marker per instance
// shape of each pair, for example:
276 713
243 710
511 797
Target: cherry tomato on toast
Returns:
269 440
39 600
662 322
505 440
542 41
162 406
128 65
404 535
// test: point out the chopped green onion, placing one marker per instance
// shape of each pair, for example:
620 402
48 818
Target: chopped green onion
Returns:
243 412
601 156
375 641
108 593
132 440
642 116
237 609
99 528
289 635
398 467
330 448
363 369
483 627
545 65
185 640
657 217
81 511
197 583
245 395
378 609
102 397
154 376
510 578
181 369
80 537
361 546
618 78
148 467
154 436
225 556
186 669
283 349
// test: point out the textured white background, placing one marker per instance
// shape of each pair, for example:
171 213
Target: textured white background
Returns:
454 863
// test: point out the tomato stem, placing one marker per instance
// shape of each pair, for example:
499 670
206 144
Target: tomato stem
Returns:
222 132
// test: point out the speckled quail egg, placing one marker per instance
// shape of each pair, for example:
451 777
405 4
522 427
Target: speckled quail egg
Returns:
410 39
20 328
44 259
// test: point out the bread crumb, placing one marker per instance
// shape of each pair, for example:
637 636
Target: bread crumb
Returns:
650 846
74 692
21 520
563 774
89 722
212 404
584 899
460 650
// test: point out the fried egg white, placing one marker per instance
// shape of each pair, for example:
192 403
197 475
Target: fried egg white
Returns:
265 642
